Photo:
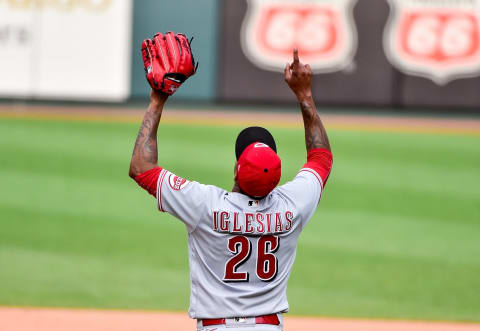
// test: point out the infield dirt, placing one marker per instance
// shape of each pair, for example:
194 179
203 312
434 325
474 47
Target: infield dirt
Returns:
31 319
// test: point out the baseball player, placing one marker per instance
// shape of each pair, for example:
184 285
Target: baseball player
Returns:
242 243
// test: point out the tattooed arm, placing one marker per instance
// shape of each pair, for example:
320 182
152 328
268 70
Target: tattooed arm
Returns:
299 77
145 152
315 133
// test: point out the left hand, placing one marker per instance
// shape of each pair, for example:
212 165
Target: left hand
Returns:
168 61
158 97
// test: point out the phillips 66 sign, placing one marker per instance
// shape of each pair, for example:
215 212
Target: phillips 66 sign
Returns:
437 39
322 30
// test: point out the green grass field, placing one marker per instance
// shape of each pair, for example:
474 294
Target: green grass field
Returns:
397 234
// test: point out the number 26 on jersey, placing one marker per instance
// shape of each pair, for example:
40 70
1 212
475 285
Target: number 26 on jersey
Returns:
266 261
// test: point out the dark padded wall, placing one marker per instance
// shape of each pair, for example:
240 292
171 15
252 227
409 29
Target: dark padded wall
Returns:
418 91
372 80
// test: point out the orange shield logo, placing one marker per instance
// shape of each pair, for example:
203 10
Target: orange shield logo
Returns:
322 30
439 40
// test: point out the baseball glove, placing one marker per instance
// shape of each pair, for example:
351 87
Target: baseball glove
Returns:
168 61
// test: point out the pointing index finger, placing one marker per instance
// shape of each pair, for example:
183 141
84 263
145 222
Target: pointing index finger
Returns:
295 56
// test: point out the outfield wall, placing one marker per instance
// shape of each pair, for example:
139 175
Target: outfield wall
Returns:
366 52
67 50
388 53
90 49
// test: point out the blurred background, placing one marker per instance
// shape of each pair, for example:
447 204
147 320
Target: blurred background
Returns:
370 53
397 83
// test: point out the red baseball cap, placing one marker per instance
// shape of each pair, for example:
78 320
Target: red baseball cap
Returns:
258 170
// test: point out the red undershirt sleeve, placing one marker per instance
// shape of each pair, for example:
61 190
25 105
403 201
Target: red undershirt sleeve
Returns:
148 180
320 160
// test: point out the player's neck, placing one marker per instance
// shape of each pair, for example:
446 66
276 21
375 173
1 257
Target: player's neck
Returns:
236 188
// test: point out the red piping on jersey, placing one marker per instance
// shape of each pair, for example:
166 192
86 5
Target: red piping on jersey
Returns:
148 180
160 183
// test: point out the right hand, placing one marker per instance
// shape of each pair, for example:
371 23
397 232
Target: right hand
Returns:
299 77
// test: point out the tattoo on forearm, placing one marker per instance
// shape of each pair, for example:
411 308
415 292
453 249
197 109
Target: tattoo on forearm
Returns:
140 137
315 133
150 152
312 140
145 149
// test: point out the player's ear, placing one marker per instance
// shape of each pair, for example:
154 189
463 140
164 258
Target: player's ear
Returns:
235 171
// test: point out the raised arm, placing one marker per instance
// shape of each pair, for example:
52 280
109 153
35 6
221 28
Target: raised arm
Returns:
299 78
145 153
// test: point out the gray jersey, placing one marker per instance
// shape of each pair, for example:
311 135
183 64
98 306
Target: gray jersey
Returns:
241 250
